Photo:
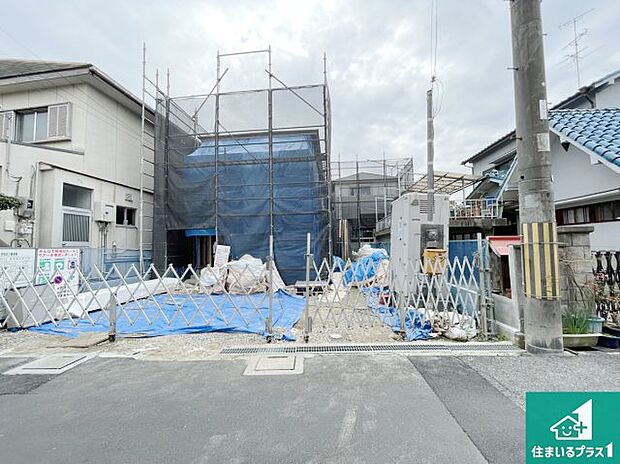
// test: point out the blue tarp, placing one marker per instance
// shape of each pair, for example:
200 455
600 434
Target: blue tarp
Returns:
218 315
416 326
363 269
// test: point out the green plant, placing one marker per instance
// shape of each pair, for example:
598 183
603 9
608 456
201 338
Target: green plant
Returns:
8 202
575 320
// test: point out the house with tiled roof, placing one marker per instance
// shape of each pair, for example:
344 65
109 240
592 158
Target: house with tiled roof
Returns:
585 150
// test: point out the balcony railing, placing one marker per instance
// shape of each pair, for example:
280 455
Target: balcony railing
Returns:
384 223
487 208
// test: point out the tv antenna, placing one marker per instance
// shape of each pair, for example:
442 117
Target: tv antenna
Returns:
575 45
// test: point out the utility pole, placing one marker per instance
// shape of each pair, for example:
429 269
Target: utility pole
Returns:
542 312
430 153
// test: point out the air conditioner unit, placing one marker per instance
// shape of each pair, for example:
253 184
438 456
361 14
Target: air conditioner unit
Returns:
104 211
412 232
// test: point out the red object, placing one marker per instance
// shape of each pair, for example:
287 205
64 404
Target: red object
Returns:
500 243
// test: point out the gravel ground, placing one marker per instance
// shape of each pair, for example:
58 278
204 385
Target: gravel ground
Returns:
514 375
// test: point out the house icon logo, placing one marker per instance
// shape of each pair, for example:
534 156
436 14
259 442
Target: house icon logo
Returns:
575 426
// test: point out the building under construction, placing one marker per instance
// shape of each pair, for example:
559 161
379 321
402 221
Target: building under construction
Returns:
236 167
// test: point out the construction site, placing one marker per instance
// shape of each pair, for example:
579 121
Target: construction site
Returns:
259 231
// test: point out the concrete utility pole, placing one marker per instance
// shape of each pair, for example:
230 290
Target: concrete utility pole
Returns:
430 153
542 312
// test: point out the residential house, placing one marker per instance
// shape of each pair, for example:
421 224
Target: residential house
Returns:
70 148
585 150
361 200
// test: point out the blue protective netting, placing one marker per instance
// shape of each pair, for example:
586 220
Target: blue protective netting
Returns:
216 313
243 196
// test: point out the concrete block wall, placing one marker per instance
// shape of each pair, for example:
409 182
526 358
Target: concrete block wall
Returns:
575 257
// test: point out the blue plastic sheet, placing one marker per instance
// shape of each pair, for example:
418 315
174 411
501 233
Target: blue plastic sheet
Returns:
364 269
220 315
416 326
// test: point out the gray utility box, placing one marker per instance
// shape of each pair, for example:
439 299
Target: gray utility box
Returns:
411 231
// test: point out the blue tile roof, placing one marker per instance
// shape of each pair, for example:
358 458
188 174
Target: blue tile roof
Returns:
596 129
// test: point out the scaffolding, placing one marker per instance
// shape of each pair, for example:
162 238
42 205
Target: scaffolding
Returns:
243 167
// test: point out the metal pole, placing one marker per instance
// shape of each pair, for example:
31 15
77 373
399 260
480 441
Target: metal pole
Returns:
482 301
328 156
376 212
270 148
385 186
112 317
269 322
542 311
216 143
308 324
430 152
143 117
358 210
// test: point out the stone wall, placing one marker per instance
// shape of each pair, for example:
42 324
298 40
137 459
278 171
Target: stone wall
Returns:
575 257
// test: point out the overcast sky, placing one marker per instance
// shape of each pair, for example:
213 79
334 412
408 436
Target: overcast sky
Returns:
378 57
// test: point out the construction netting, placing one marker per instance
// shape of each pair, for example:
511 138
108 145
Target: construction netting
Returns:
245 181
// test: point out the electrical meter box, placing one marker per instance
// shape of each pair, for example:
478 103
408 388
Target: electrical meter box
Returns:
104 212
412 232
26 209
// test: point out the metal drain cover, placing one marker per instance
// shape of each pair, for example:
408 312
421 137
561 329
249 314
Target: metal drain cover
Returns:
53 364
275 365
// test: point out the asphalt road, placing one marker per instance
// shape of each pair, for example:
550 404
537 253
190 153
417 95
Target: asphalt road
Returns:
342 409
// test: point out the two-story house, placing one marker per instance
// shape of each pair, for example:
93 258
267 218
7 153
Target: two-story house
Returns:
585 149
71 144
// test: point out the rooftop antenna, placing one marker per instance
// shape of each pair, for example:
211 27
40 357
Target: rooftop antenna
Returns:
575 45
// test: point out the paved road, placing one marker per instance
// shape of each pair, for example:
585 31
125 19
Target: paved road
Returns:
343 409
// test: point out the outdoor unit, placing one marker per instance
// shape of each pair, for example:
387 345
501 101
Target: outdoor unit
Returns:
104 211
411 232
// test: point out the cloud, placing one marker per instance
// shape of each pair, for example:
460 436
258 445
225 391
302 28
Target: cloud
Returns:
378 58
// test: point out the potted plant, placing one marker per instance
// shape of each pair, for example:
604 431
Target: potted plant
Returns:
576 328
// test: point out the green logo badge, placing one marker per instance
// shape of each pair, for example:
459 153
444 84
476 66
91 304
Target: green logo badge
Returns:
572 427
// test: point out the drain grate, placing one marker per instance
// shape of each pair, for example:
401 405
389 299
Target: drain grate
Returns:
400 347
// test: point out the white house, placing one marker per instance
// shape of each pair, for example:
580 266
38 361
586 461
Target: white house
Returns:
585 149
70 148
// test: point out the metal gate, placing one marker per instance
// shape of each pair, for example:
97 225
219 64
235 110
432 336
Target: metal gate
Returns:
248 296
430 295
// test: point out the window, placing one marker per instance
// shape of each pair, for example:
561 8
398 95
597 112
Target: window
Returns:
598 212
125 216
604 212
42 123
76 205
74 196
32 125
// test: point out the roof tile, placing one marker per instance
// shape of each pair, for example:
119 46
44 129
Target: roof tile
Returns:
597 129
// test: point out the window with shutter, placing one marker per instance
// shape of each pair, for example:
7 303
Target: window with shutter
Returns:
58 122
6 124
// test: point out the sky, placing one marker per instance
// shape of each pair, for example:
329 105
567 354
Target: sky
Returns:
378 58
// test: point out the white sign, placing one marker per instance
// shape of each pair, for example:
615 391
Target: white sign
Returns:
222 253
18 264
59 266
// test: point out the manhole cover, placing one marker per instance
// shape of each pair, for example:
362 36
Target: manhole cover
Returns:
53 364
275 365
